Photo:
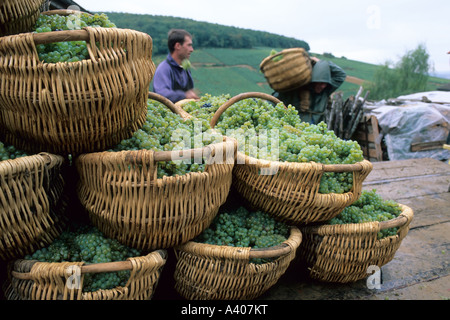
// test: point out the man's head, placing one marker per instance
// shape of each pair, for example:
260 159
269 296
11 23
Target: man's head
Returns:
180 43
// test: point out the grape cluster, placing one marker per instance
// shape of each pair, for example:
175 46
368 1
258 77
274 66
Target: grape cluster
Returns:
370 207
67 51
88 244
165 130
243 228
8 152
275 132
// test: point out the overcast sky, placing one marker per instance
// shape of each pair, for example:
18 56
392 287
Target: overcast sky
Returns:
373 31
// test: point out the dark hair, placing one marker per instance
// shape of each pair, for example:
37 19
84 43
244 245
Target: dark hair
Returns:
176 35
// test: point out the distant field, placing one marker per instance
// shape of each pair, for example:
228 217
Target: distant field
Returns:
234 71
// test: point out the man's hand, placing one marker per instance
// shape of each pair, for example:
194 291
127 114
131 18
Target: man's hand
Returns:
191 94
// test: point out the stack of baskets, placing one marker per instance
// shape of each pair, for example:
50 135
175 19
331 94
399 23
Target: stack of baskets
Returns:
58 112
290 193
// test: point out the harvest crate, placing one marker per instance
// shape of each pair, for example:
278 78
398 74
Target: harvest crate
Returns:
74 107
344 252
369 136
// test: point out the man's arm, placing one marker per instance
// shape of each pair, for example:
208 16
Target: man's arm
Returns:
162 84
338 76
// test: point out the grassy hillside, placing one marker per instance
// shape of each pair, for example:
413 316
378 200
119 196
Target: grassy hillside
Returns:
232 71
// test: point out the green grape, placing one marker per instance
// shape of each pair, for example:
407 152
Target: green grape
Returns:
88 244
67 51
276 133
9 152
164 130
370 206
244 228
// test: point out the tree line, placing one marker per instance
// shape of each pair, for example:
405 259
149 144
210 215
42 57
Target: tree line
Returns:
205 34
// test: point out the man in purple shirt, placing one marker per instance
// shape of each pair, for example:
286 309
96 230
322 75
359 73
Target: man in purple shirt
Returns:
171 80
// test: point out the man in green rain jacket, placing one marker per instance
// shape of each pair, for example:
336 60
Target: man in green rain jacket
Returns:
326 78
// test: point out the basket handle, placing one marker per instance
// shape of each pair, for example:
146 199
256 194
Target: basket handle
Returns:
63 12
169 104
93 268
272 252
60 36
237 98
393 223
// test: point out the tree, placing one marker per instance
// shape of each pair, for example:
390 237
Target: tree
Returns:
409 75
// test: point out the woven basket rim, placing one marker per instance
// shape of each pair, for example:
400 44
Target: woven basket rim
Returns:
358 166
49 159
91 268
402 221
275 251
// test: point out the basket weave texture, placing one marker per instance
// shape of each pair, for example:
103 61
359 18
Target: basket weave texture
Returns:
126 200
49 280
211 272
75 107
344 253
291 72
31 191
291 192
17 16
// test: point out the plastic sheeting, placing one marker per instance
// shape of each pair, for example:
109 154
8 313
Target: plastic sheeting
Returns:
412 121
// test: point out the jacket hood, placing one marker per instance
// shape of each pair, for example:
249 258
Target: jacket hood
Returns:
321 72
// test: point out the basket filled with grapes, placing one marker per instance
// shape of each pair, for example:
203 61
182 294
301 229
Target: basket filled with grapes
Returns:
31 201
240 256
288 69
73 91
299 172
83 264
17 16
161 187
366 234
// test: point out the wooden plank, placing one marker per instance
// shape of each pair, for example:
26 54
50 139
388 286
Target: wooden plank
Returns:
385 170
376 133
431 145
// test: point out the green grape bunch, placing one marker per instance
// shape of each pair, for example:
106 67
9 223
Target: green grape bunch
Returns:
67 51
165 130
88 244
370 206
272 132
243 228
10 152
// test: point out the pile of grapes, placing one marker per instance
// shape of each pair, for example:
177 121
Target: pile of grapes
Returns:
370 207
8 152
67 51
88 244
276 133
243 228
165 130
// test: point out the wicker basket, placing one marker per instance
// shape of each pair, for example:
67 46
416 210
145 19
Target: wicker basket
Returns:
292 71
30 202
344 253
211 272
33 280
289 191
17 16
126 200
74 107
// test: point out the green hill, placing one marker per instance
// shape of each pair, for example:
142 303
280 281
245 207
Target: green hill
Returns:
226 59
